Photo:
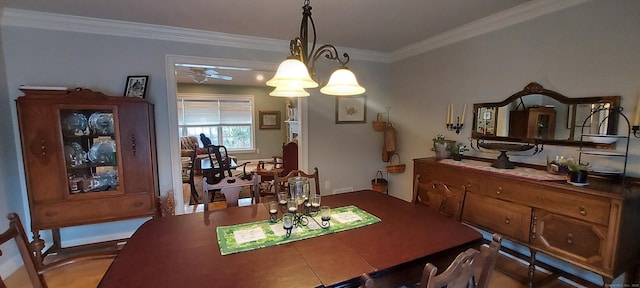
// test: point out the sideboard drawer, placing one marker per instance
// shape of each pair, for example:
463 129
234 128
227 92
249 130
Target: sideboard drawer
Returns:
506 218
575 239
454 177
578 205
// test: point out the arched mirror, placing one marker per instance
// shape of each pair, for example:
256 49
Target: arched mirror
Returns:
543 116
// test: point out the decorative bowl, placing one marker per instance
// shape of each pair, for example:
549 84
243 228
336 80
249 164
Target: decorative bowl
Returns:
601 139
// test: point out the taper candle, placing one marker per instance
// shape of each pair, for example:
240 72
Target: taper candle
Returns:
636 118
448 114
451 113
464 109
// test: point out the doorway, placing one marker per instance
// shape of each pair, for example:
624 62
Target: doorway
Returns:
173 61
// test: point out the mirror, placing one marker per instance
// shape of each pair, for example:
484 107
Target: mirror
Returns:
543 116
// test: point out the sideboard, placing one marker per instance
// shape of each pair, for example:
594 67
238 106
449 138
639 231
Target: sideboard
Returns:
595 227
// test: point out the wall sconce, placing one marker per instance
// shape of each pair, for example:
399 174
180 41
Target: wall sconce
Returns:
459 119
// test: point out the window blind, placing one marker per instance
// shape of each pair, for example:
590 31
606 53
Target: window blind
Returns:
214 110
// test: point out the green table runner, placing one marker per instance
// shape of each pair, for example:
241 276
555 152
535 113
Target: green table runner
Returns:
261 234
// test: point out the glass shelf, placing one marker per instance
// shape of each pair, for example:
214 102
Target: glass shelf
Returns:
90 150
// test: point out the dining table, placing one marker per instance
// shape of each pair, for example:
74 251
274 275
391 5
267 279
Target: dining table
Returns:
183 250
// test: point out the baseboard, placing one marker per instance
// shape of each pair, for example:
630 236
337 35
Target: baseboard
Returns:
11 265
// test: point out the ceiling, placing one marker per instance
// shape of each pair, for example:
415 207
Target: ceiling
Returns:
376 25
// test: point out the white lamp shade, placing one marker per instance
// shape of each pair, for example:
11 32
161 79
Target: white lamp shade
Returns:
292 73
342 83
289 91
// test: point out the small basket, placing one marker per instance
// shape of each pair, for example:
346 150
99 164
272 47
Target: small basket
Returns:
379 124
379 184
395 168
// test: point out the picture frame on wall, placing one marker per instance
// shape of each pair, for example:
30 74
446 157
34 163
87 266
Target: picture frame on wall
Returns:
136 86
269 119
351 109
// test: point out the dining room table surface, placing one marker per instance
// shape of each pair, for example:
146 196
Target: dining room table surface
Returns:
183 251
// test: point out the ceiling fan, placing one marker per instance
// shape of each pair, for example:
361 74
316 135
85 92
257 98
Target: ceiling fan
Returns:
201 75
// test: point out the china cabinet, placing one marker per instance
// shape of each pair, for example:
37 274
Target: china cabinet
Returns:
88 158
593 227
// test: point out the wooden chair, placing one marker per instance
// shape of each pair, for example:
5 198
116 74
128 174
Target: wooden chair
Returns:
222 165
281 182
367 281
16 232
188 173
34 267
231 188
288 162
471 268
439 197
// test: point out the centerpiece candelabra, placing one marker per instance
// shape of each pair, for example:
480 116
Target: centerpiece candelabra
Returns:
298 206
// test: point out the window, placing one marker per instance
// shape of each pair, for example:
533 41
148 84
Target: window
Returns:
226 119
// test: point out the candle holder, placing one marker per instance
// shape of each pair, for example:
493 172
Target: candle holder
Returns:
298 206
297 214
455 127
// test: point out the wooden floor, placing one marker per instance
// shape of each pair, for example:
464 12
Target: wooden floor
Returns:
509 273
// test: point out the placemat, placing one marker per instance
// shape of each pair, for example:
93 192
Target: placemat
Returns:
520 172
261 234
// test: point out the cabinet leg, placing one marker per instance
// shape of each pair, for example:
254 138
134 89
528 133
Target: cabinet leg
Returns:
532 267
56 240
37 245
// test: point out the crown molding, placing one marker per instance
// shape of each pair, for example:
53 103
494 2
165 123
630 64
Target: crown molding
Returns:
515 15
69 23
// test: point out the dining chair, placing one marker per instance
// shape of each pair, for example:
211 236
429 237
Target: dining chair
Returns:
281 182
16 232
367 281
188 173
288 162
471 268
230 187
34 266
222 165
440 197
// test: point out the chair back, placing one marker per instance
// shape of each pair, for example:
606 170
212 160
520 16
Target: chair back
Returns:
187 166
281 182
231 188
289 157
16 232
471 268
439 197
220 164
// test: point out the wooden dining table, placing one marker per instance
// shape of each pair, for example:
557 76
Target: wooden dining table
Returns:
182 250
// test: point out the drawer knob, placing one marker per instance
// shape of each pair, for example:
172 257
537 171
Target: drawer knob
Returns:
507 220
137 204
50 213
499 191
570 239
583 211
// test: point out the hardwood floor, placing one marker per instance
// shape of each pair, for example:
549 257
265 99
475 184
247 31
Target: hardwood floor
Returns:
509 273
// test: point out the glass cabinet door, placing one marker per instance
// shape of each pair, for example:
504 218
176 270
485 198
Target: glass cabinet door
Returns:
90 150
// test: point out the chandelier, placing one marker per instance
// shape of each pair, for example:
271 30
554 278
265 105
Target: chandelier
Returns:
297 72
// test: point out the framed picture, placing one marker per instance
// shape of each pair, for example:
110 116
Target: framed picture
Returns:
351 109
582 112
136 86
269 119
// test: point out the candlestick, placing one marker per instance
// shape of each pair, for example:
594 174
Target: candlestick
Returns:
448 114
636 118
464 109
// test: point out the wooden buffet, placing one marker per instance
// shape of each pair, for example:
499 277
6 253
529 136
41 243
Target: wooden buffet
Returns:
88 158
595 227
